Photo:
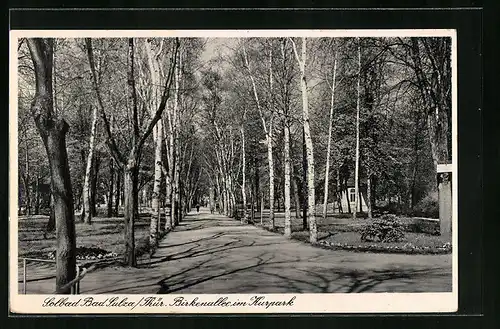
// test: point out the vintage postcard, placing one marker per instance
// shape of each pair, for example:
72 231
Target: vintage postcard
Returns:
233 171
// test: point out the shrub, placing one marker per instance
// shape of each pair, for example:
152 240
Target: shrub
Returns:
421 225
428 206
386 229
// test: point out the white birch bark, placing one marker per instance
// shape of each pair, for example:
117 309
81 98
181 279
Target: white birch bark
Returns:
268 132
175 146
288 226
243 174
328 149
158 138
356 168
311 200
87 212
288 223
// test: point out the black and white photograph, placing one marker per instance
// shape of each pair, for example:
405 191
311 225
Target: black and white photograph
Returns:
233 171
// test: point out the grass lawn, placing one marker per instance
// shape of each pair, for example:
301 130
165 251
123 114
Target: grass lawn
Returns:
343 233
104 233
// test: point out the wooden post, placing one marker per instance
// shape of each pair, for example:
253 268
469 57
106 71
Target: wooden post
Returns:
444 172
24 276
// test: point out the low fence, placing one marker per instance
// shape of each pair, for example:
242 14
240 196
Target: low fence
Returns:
74 284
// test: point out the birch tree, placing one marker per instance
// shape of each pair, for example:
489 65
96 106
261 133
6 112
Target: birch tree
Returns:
129 163
356 161
154 69
330 127
301 60
268 126
285 79
87 209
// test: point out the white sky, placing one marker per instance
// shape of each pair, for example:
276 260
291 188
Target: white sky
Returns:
216 46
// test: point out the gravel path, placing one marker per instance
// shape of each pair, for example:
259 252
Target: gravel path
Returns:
209 253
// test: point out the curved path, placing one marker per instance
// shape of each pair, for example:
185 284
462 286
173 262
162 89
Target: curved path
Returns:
209 253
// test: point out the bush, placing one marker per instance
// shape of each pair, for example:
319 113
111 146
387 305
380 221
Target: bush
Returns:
386 229
427 207
421 225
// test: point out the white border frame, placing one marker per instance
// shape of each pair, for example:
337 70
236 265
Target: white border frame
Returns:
304 303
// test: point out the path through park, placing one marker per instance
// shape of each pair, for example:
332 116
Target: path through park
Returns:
210 253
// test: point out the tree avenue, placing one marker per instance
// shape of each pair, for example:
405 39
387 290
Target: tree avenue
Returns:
270 130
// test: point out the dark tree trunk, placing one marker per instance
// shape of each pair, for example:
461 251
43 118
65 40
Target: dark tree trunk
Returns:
296 184
51 224
118 192
93 187
63 207
53 131
338 191
348 199
37 196
130 189
111 189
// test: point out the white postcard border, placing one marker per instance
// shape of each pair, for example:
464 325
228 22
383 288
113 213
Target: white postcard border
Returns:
302 303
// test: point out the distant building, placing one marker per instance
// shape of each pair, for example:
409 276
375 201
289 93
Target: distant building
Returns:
348 200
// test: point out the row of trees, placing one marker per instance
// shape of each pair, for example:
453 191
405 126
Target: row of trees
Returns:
290 113
123 103
269 122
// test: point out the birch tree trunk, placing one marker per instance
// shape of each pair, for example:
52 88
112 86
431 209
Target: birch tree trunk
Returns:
369 196
328 149
158 138
176 196
130 183
243 172
270 145
169 179
356 166
270 161
175 146
305 223
155 200
268 132
130 164
311 200
288 226
87 211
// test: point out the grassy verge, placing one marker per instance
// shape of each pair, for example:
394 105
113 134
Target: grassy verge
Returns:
344 234
104 233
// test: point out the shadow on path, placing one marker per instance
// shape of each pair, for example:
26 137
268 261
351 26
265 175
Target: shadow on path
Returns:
209 253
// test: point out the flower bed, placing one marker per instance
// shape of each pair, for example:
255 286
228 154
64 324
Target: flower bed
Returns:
349 239
407 248
88 253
